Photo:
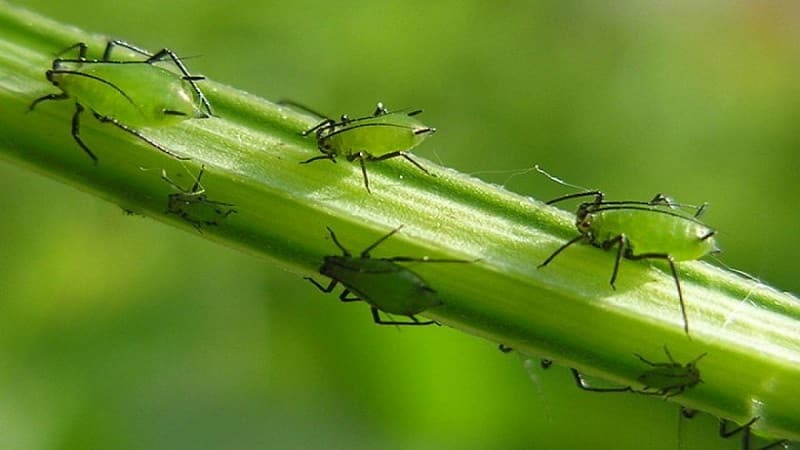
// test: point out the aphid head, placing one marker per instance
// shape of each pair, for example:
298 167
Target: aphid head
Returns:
49 75
692 372
583 218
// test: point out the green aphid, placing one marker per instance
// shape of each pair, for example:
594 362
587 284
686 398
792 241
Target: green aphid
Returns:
193 206
641 230
664 379
381 136
386 286
128 94
670 378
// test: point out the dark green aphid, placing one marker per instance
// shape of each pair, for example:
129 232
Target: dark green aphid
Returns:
641 230
385 285
670 378
381 136
193 206
664 379
128 94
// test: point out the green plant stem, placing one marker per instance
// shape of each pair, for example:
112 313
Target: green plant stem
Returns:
565 311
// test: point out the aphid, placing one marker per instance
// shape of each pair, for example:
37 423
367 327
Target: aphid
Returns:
381 136
128 94
641 230
669 379
385 285
193 206
664 379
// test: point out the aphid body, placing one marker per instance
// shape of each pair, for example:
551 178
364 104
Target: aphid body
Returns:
128 94
670 378
383 135
138 95
381 282
665 379
641 230
193 205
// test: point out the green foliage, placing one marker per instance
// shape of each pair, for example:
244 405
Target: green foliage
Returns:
115 330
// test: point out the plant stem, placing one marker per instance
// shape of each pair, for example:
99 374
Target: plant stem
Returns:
565 311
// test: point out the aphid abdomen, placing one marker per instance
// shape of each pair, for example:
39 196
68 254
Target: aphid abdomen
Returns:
386 285
137 95
654 231
373 138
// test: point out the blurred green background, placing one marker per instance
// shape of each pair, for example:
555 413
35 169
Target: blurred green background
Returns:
120 332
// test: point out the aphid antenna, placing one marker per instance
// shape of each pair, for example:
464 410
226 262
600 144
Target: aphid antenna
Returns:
426 259
301 107
365 252
555 179
345 252
196 189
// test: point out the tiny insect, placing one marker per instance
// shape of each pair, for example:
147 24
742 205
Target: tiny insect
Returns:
193 206
128 94
671 378
378 137
664 379
640 230
386 286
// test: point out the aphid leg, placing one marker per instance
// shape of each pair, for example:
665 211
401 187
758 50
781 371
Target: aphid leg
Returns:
76 131
365 252
377 319
161 55
82 48
622 245
130 130
360 158
61 96
196 186
561 249
330 156
326 289
661 199
327 123
166 53
674 277
300 106
598 196
652 364
669 355
724 432
194 190
546 363
414 113
581 383
345 252
395 155
504 348
701 210
352 298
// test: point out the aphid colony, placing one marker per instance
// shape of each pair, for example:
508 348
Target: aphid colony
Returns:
136 94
